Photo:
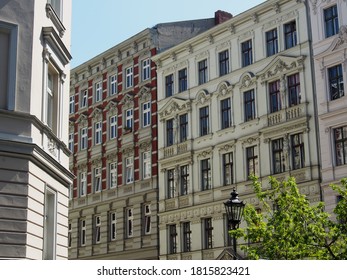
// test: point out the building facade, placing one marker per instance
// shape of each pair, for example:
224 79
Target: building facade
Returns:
34 158
233 101
114 143
329 39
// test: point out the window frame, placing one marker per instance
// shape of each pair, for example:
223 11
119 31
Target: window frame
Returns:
113 127
225 113
290 34
113 226
202 71
331 23
247 53
97 133
129 119
278 158
130 222
300 145
205 174
83 232
146 114
207 233
97 177
343 143
182 80
83 138
172 232
129 77
249 105
275 96
97 229
294 90
184 179
146 165
146 69
223 61
271 37
252 161
147 214
98 91
169 85
113 84
129 170
228 168
186 237
113 175
336 78
169 132
71 104
170 179
183 130
84 98
82 184
204 121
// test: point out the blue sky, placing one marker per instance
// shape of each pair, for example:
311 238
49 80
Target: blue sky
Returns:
98 25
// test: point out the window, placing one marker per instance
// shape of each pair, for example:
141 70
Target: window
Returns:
146 114
278 159
112 171
97 229
84 138
56 5
147 219
271 42
170 183
52 100
113 127
340 137
113 84
83 232
205 174
83 184
146 162
169 85
182 80
129 170
252 161
331 21
246 53
186 234
294 90
129 76
72 104
98 91
97 133
298 155
223 63
249 102
129 221
290 35
71 142
113 226
84 98
336 89
172 239
228 174
69 235
202 68
225 105
204 121
146 69
169 133
129 119
50 234
184 179
207 233
97 179
275 96
183 127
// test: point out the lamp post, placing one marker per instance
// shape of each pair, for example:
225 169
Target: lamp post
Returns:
234 210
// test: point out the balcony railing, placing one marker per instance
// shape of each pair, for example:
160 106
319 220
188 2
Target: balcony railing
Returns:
287 114
176 149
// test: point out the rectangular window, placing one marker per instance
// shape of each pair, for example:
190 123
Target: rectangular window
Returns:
147 219
205 174
331 21
129 170
202 68
340 138
336 89
249 103
252 161
184 179
146 114
225 105
278 159
129 77
223 63
113 84
298 153
275 96
83 184
204 121
97 179
50 221
112 171
83 232
72 104
290 35
84 98
84 138
146 162
69 236
146 69
246 53
183 127
130 222
186 236
97 133
294 90
97 229
51 112
71 142
169 85
56 5
207 233
170 183
172 239
113 127
271 42
169 133
182 80
228 174
98 91
129 120
113 226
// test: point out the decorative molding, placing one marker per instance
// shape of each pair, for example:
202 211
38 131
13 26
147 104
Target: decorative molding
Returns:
97 162
82 120
247 80
203 97
127 101
202 55
52 147
111 107
210 39
224 89
276 7
204 154
145 94
174 107
96 114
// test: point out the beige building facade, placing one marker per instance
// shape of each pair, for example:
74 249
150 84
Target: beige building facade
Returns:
34 158
235 100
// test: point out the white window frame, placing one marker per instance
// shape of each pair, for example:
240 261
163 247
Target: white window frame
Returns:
146 165
130 222
83 232
83 138
146 69
97 229
129 77
112 179
129 115
84 99
98 91
71 142
113 127
98 133
147 219
113 226
72 104
50 224
97 179
129 170
69 234
83 184
113 84
146 114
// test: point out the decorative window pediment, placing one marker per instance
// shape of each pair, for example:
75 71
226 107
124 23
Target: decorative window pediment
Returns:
111 107
203 97
340 42
82 120
145 94
97 114
174 107
128 100
247 80
224 88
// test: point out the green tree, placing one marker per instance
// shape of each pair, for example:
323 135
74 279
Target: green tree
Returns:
290 227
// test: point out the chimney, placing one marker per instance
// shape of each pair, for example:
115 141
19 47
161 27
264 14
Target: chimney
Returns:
221 16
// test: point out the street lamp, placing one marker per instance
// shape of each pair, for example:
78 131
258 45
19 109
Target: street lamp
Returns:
234 210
